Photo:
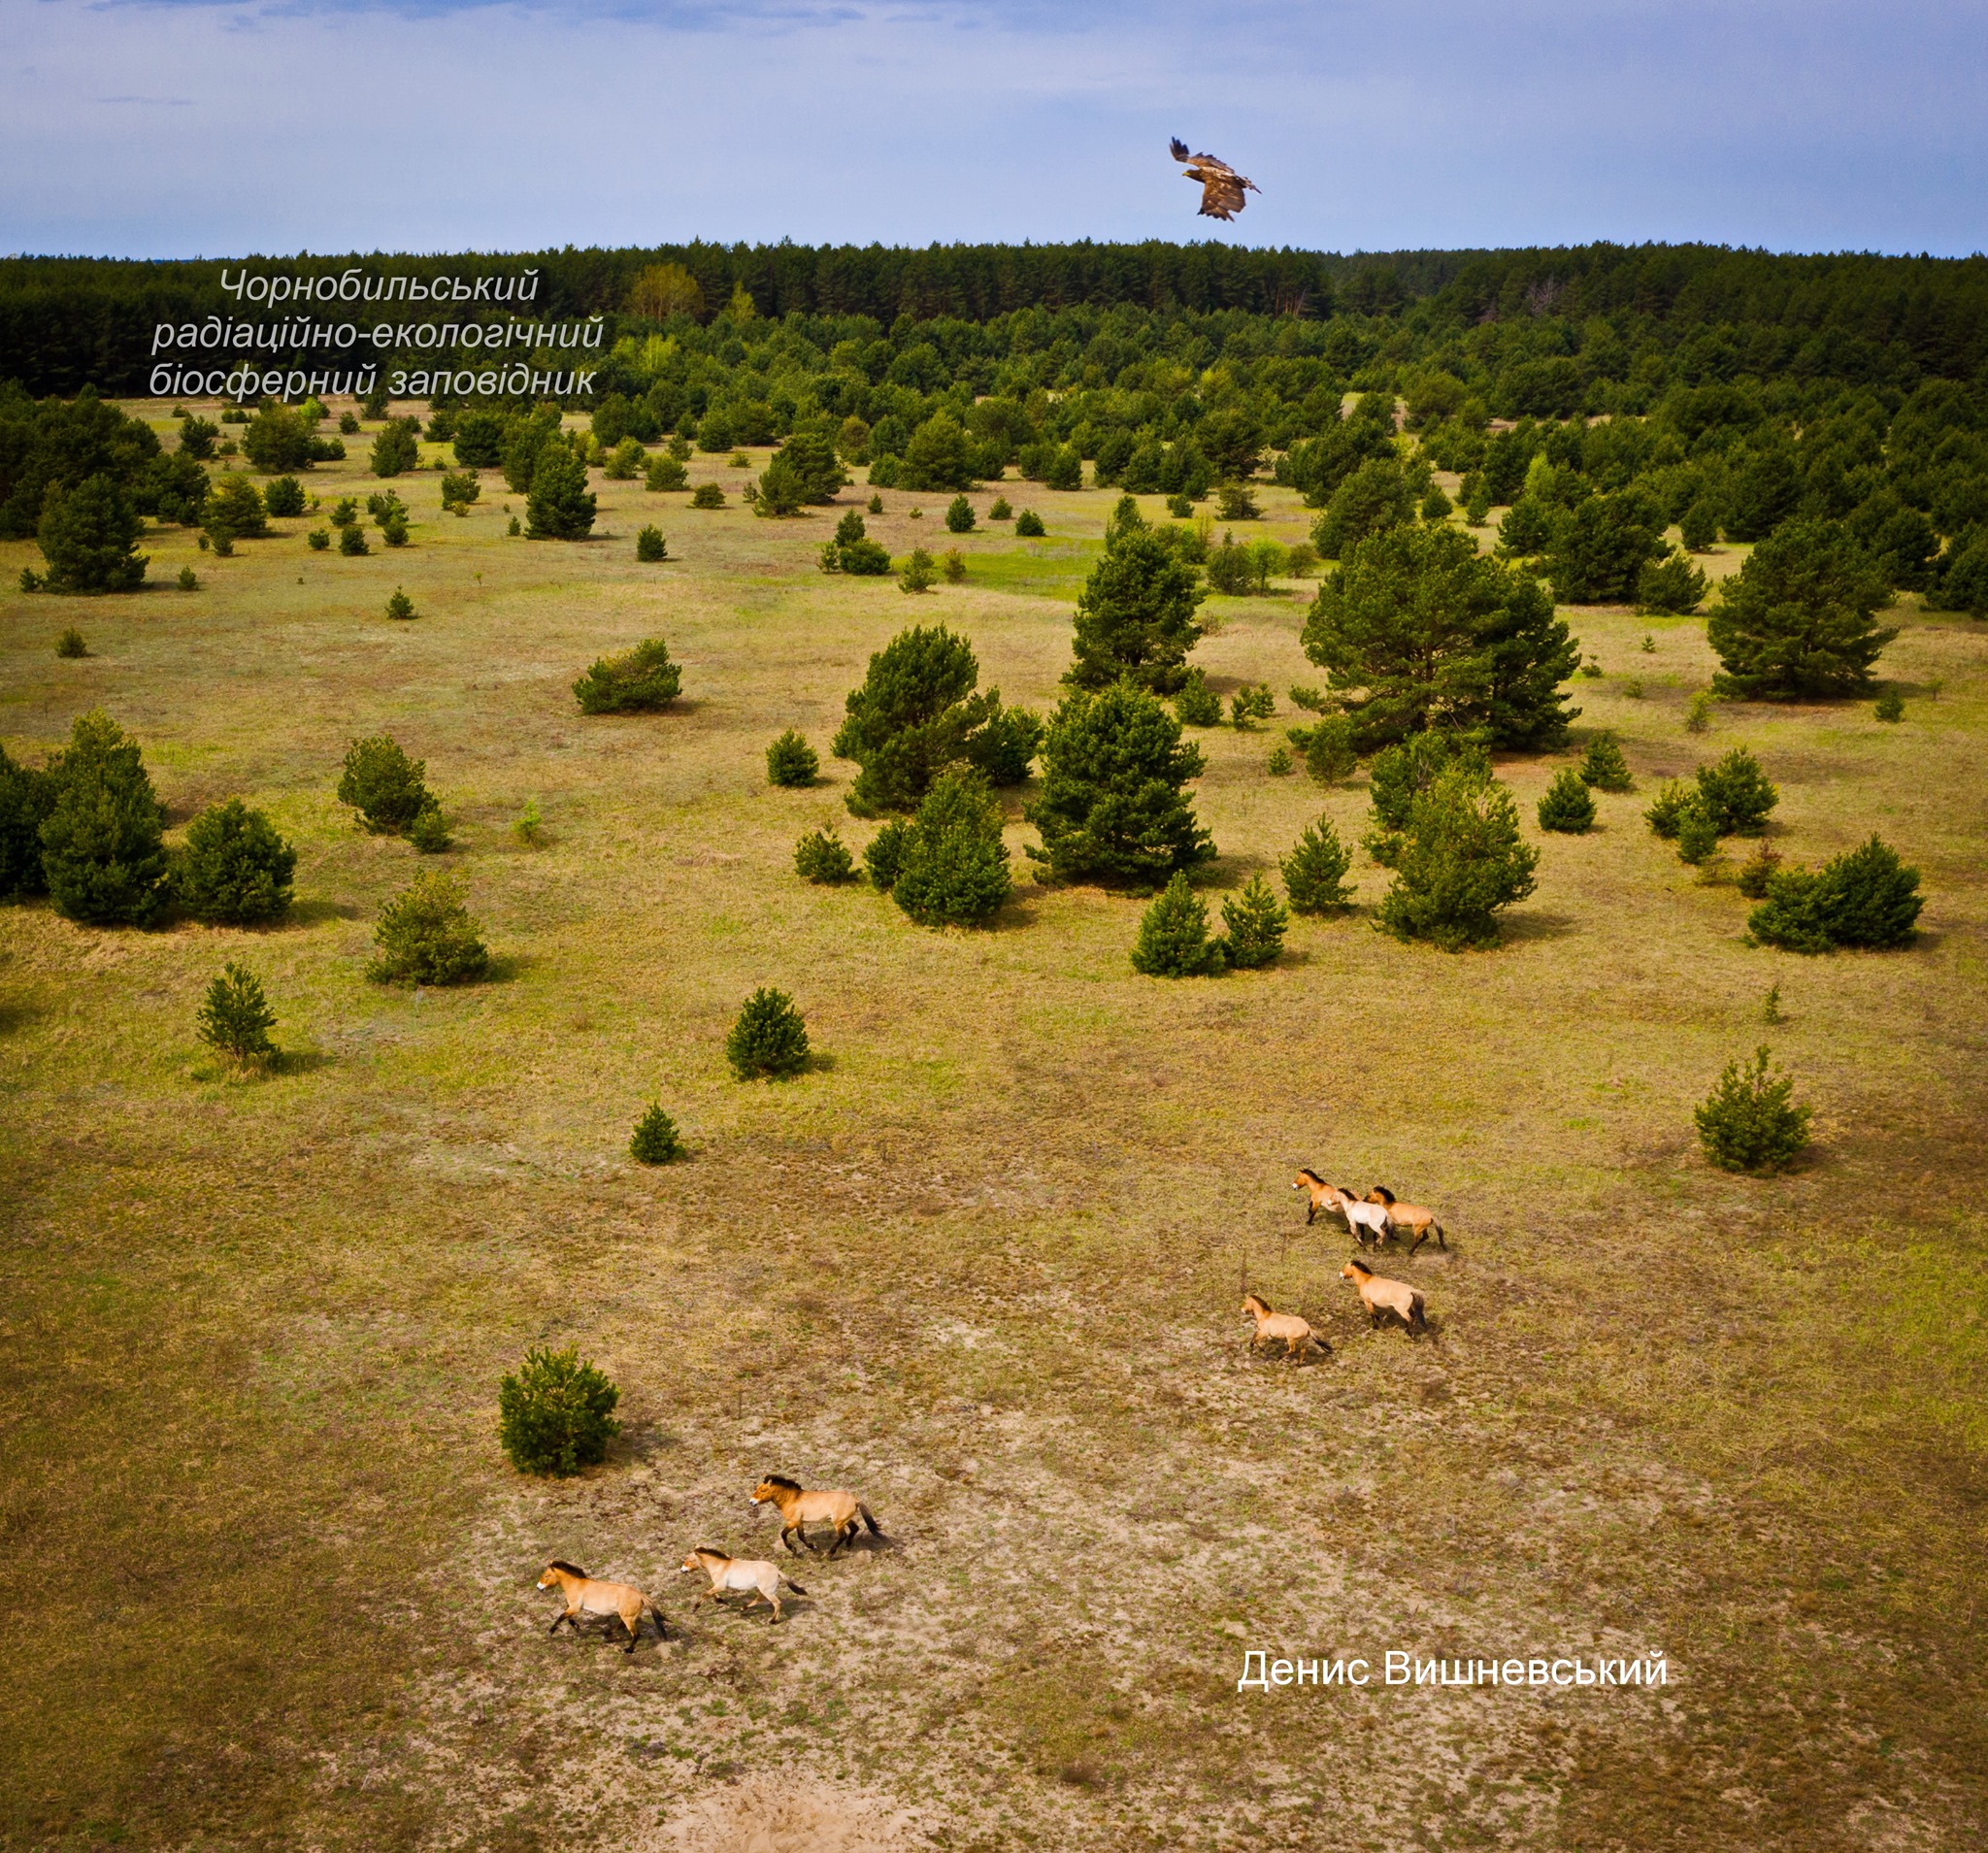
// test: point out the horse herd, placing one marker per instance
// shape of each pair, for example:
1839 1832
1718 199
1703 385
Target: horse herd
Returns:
1375 1218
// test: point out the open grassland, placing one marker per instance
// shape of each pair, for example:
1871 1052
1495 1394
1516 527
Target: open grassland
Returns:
268 1580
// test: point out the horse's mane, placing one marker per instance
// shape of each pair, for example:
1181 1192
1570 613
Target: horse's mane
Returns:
1306 1171
1385 1195
710 1550
1354 1260
572 1569
782 1482
1345 1192
1260 1300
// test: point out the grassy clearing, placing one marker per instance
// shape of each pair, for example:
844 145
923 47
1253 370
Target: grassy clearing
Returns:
269 1580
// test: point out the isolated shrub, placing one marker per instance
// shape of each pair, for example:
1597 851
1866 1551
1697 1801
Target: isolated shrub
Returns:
917 712
318 540
234 509
1256 920
103 840
235 1017
1028 524
1174 939
383 784
1890 706
1603 766
820 856
1697 836
769 1038
1668 806
234 869
352 539
625 461
639 680
1196 704
556 1414
959 516
1134 617
400 607
656 1140
1113 806
1863 898
1566 806
426 935
650 547
1757 873
790 761
864 558
70 644
1250 704
1001 512
951 864
1316 871
1737 795
1796 619
560 506
283 497
27 794
1462 863
1281 764
197 437
89 537
1698 717
886 855
395 449
664 473
1750 1122
459 489
920 572
781 490
707 495
1672 585
953 564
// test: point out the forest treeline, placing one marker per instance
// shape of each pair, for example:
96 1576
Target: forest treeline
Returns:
1718 313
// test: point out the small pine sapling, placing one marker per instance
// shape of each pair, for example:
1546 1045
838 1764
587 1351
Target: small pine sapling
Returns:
791 762
706 495
555 1414
1750 1120
1028 524
1329 755
428 834
1249 706
1698 717
650 547
959 516
1001 512
656 1139
1668 807
874 505
1568 806
1174 939
953 563
400 607
1602 767
920 571
820 856
1196 704
1890 706
530 827
886 855
768 1039
1256 922
236 1020
1281 764
1316 871
1697 836
1757 873
70 644
383 784
426 937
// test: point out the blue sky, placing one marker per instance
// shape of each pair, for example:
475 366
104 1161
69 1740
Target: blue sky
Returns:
186 127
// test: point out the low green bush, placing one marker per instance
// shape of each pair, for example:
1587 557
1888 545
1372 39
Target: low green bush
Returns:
791 762
952 866
1255 921
959 516
1757 873
235 1018
1281 764
768 1039
1890 706
318 540
664 473
1750 1121
1029 525
556 1414
1568 806
400 607
1328 748
383 784
656 1139
1602 767
639 680
1461 862
351 541
650 547
953 564
1668 806
885 853
1316 871
426 937
820 856
1697 836
920 572
70 644
1196 704
234 869
1001 512
1250 704
1738 796
283 497
1174 939
429 832
1866 897
706 495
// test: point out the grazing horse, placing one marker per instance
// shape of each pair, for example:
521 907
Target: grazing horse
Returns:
1386 1296
800 1510
1412 1217
1285 1328
587 1596
731 1574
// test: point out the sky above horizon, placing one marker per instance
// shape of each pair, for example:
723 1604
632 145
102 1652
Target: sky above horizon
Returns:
152 129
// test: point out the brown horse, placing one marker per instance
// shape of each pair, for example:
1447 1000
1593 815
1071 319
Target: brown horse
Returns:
587 1596
1411 1216
799 1510
1386 1296
730 1575
1281 1328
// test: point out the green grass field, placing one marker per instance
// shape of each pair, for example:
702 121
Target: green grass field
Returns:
268 1580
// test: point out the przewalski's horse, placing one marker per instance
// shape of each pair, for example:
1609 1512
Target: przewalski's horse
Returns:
587 1596
732 1576
1386 1296
799 1510
1281 1328
1365 1221
1411 1216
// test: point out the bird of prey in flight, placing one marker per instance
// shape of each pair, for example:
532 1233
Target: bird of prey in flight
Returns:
1221 187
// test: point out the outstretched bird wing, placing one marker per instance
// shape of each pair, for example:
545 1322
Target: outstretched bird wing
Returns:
1221 187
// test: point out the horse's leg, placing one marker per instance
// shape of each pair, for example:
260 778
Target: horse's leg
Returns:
1312 1212
1418 1242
